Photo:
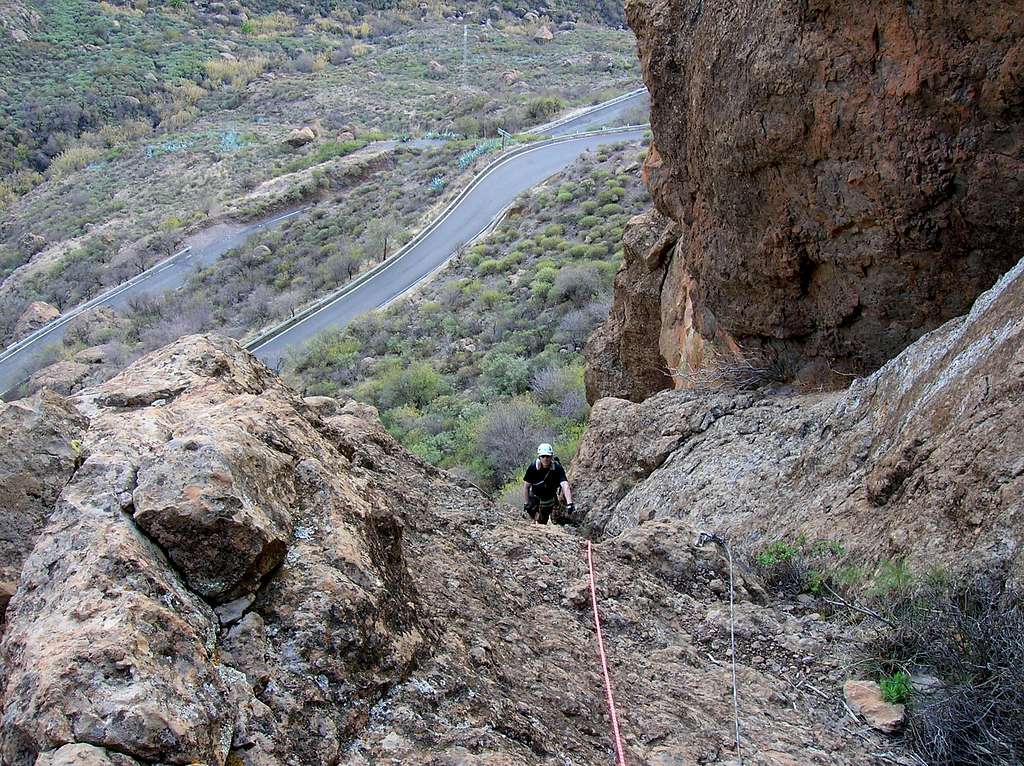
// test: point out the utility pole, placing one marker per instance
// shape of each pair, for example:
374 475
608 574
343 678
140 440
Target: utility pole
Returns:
465 54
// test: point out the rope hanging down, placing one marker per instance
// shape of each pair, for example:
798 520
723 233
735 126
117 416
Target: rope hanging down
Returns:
713 537
620 758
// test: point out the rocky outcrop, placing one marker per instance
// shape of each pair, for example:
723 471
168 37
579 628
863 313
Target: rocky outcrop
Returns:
236 575
920 460
620 360
36 315
200 473
845 177
94 326
42 443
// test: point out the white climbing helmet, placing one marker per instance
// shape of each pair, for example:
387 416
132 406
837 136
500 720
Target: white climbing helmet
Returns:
544 449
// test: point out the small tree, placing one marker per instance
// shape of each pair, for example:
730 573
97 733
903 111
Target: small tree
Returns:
380 234
508 434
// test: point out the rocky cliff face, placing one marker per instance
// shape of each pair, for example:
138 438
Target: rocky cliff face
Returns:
42 441
923 459
213 570
844 178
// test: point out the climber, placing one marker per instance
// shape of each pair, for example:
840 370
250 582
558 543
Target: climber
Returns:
541 484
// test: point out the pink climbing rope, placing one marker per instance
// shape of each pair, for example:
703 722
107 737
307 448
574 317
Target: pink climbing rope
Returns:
620 757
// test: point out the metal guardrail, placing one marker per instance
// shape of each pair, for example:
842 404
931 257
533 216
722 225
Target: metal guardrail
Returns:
541 129
113 292
277 330
63 319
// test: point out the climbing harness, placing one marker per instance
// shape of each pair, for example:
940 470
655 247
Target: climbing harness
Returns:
706 537
620 758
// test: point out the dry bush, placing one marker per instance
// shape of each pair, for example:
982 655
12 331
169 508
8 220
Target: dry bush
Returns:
508 435
71 159
236 73
577 283
186 92
178 120
129 130
972 638
741 370
271 25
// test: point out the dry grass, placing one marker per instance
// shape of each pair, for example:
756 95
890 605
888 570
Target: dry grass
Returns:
271 25
179 119
71 159
120 133
235 73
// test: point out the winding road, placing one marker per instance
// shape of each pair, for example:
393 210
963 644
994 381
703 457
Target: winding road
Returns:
498 187
489 195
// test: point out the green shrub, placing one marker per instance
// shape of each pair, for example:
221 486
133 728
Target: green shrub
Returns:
793 567
777 552
505 374
416 384
540 289
892 578
489 266
896 688
490 298
541 108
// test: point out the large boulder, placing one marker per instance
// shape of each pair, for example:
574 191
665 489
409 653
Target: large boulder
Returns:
37 314
921 460
42 438
845 177
300 137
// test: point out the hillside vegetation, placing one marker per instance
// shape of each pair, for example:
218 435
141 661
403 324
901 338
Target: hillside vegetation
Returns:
112 167
485 361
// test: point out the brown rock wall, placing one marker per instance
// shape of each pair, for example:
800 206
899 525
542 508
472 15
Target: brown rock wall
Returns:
846 177
619 362
921 460
409 620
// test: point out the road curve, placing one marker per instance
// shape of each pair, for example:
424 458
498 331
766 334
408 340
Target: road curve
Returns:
166 275
175 271
611 113
499 187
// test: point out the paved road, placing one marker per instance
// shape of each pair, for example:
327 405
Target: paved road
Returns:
175 272
500 187
167 276
613 114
